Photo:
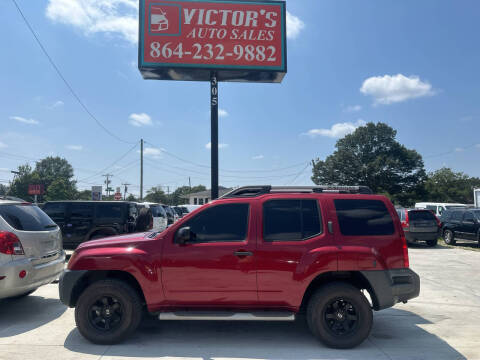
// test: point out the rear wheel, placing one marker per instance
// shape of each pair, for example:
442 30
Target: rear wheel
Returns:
339 315
108 311
432 243
449 237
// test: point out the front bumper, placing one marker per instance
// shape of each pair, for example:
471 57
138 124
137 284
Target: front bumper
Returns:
66 286
392 286
37 275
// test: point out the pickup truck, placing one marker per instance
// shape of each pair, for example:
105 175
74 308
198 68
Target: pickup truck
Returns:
259 253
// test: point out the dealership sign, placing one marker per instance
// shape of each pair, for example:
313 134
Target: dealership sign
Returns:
36 189
237 40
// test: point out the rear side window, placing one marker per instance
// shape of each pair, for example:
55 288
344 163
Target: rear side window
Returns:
26 218
420 215
109 211
81 211
456 216
291 220
55 210
363 217
158 211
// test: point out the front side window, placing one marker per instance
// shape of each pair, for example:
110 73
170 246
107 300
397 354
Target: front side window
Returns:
291 220
221 223
363 217
468 217
109 211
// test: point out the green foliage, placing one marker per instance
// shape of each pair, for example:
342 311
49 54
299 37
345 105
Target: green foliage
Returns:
156 195
132 197
60 189
176 198
3 189
371 156
445 185
84 195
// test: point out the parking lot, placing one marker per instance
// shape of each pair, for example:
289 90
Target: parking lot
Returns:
442 323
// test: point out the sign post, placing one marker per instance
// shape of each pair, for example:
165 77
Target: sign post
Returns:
213 40
36 190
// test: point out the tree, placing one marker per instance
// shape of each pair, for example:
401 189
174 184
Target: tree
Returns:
84 195
444 185
52 168
24 177
176 198
60 189
156 195
372 156
3 190
132 197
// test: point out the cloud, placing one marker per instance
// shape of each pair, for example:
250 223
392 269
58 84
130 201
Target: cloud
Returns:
152 152
389 89
4 169
459 149
3 145
222 113
220 146
56 104
352 108
140 120
118 17
258 157
294 26
337 130
75 147
24 120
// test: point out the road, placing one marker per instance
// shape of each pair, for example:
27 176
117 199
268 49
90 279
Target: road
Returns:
443 323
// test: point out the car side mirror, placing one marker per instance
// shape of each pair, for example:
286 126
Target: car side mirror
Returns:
184 235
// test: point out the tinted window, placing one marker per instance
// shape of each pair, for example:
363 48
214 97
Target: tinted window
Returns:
363 217
26 217
468 217
158 211
220 223
290 220
420 215
431 207
55 210
456 216
477 214
109 211
81 211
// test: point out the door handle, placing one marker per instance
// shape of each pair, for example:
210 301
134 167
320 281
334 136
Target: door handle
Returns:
243 253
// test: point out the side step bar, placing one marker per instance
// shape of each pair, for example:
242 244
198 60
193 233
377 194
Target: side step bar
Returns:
228 316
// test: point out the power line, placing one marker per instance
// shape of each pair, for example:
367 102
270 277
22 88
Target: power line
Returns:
67 84
299 174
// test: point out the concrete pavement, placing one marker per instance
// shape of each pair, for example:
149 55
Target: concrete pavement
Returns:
443 323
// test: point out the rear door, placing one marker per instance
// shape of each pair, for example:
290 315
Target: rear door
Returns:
57 211
41 238
469 227
80 221
422 221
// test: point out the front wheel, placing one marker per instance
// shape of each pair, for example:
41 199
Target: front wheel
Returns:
108 311
449 237
339 316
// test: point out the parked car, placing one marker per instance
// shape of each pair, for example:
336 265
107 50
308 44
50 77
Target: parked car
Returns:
159 215
81 221
191 208
258 253
461 224
420 225
171 215
180 211
439 208
31 253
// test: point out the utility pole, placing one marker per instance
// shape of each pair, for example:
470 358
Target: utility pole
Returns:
190 184
107 182
141 169
125 190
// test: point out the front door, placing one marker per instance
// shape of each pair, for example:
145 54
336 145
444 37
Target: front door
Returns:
217 268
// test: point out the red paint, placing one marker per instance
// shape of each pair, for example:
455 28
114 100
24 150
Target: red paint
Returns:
36 189
22 274
213 33
210 275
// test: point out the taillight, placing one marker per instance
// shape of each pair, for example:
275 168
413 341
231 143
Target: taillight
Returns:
10 244
406 262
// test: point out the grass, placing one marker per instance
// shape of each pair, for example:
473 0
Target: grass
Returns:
461 244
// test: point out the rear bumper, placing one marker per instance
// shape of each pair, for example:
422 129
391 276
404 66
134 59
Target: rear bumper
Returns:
420 236
37 275
392 286
66 286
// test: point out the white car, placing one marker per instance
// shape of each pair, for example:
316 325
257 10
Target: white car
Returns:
438 208
31 253
159 215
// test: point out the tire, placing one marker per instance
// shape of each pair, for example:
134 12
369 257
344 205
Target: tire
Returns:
339 331
432 243
449 237
93 312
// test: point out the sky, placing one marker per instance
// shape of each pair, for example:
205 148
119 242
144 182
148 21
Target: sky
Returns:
411 64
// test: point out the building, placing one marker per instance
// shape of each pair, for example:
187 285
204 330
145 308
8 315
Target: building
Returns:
204 197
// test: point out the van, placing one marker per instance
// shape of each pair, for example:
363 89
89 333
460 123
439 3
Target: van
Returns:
439 208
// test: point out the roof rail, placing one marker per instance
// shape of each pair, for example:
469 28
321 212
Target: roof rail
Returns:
253 191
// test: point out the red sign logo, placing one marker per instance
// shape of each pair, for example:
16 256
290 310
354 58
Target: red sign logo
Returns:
164 19
36 190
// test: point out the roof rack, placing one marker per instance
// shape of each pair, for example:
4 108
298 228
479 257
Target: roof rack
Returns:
253 191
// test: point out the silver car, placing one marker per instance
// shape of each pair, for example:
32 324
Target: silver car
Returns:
31 253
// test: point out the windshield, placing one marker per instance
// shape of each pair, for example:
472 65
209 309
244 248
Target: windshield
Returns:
157 211
26 218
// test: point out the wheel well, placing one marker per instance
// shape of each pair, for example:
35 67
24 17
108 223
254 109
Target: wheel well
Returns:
94 276
354 278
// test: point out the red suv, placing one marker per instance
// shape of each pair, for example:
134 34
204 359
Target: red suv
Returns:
258 253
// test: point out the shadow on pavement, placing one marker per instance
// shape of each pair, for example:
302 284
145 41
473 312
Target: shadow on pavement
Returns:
395 335
18 316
